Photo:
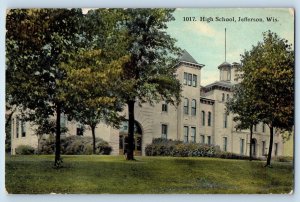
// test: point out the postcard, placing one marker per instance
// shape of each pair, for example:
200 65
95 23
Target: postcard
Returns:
150 101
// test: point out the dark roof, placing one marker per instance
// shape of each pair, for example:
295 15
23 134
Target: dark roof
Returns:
186 57
236 63
221 84
224 64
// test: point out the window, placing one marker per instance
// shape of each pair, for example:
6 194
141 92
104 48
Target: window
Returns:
186 134
255 127
194 80
17 127
225 143
164 131
209 119
263 151
193 134
225 120
193 112
189 79
186 106
164 107
202 139
203 118
223 97
276 149
185 78
79 130
23 128
227 97
263 128
209 140
242 146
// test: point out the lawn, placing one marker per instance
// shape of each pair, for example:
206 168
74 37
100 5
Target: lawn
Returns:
112 174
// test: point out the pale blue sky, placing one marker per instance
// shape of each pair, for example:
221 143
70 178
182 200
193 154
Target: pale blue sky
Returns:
205 41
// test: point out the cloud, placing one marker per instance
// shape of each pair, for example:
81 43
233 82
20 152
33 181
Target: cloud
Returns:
202 28
208 77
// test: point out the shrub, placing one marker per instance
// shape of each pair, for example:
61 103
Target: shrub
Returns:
103 148
164 147
75 145
25 150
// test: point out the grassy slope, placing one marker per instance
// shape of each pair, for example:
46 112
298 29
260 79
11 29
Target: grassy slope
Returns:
110 174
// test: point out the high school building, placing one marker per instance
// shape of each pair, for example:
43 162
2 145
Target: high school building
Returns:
200 117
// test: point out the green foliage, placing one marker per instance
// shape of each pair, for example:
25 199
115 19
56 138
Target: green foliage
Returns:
75 145
230 155
268 76
25 150
163 147
149 75
176 148
37 42
243 106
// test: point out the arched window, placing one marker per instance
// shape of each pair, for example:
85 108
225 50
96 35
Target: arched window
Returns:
193 112
209 119
227 97
223 97
186 106
203 118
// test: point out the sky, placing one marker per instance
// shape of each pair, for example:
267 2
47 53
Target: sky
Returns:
205 41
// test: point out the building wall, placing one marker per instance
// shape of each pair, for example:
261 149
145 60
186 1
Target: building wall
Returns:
16 140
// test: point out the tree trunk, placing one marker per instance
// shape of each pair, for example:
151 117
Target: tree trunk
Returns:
38 146
250 150
130 147
57 162
270 146
94 139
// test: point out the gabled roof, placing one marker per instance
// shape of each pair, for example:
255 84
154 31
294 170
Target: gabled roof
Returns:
187 59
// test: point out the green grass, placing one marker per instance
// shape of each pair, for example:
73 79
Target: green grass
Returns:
112 174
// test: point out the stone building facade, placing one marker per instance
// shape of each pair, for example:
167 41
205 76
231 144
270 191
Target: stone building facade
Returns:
200 117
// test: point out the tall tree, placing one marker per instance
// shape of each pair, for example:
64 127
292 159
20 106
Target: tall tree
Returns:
269 78
37 42
244 108
149 75
94 70
91 86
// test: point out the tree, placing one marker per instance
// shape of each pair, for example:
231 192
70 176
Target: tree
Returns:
243 106
268 76
91 86
94 70
37 42
149 75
